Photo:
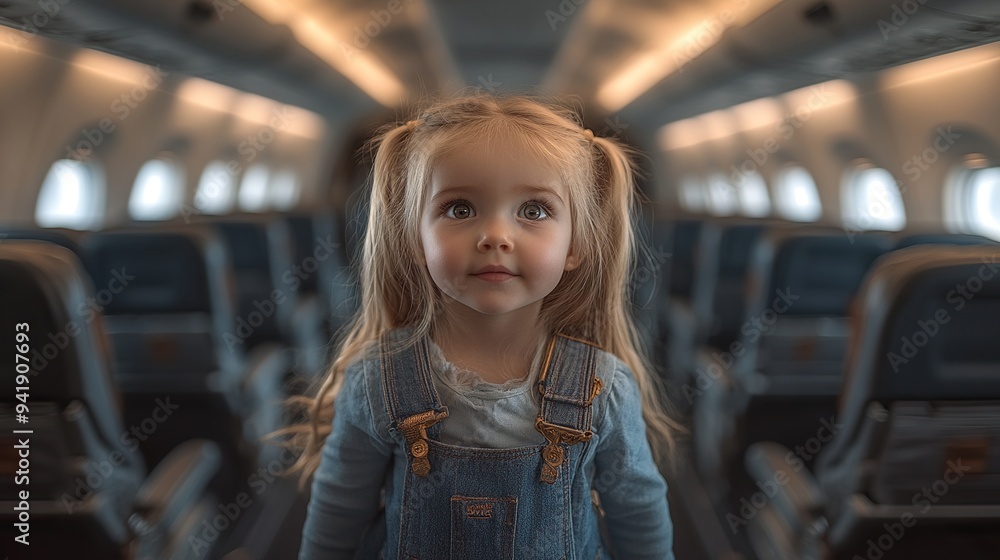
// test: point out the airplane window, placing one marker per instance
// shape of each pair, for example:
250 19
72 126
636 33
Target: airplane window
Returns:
72 196
796 197
253 189
157 192
215 189
977 201
692 195
870 199
284 190
722 196
754 200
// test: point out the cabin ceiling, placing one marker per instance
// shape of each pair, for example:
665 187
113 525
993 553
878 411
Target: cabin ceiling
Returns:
681 57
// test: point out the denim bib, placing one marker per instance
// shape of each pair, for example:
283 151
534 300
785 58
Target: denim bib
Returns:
462 502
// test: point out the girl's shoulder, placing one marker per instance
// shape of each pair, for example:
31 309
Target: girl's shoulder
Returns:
615 376
609 366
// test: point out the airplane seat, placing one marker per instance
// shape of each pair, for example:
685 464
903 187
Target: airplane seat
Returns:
338 287
316 257
645 281
262 250
66 238
169 311
655 268
345 293
912 239
780 378
261 255
721 327
694 247
729 297
85 486
917 436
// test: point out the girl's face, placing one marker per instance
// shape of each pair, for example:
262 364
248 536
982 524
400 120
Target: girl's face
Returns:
496 207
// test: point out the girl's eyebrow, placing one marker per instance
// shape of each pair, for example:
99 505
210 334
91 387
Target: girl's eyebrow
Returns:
518 188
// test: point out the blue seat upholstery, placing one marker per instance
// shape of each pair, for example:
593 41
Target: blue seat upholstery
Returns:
918 434
729 295
89 490
685 237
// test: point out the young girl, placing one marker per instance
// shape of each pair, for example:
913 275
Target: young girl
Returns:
489 400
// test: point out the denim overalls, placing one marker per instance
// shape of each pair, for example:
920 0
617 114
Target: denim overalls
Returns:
460 502
446 502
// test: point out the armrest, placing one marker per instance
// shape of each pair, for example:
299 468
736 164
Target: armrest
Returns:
796 495
265 372
309 336
177 483
263 391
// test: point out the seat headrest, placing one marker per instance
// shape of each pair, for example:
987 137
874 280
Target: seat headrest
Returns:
63 237
735 246
685 244
303 238
929 326
161 271
247 242
941 239
263 256
821 270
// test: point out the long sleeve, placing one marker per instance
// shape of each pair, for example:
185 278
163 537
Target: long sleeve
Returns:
632 491
347 485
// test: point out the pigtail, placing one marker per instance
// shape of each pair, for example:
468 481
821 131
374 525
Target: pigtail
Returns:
614 178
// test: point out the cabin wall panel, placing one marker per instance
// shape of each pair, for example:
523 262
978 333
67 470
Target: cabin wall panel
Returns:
33 72
64 105
938 113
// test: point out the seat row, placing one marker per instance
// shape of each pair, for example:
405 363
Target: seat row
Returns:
864 351
194 332
84 484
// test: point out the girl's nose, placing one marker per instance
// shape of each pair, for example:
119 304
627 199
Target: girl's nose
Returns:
495 236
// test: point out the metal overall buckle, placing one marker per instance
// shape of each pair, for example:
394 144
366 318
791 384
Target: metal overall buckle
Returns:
553 454
414 430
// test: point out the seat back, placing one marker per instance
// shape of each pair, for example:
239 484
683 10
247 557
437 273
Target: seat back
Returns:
261 250
168 306
319 243
729 291
82 464
684 249
648 281
921 398
692 270
801 282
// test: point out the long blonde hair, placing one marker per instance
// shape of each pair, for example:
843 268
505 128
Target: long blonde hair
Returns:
397 290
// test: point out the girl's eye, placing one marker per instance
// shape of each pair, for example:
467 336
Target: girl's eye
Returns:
459 210
535 210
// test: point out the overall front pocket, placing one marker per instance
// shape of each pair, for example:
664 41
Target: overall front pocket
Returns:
483 527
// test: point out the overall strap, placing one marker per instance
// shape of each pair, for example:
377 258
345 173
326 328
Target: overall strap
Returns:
568 384
410 397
